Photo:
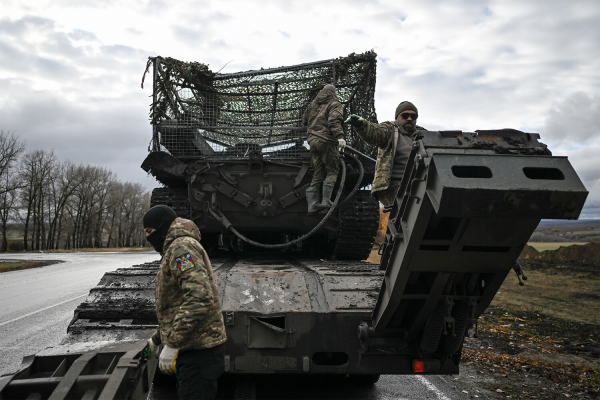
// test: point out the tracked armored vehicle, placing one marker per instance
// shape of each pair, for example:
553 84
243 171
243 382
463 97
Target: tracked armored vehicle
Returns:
231 151
466 208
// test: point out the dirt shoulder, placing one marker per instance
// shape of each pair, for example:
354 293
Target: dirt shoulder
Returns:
541 340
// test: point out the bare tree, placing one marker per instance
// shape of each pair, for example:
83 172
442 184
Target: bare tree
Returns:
10 150
37 170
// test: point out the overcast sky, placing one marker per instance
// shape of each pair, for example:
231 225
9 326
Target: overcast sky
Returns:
70 70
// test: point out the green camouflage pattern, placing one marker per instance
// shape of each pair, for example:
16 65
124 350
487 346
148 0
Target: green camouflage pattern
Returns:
384 136
388 195
187 299
324 115
325 162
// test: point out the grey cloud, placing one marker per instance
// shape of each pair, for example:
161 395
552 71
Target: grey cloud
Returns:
356 32
20 26
135 31
119 51
114 134
80 34
574 121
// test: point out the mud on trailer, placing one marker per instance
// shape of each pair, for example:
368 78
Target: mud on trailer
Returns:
467 207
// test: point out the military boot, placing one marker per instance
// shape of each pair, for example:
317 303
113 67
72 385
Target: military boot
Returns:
312 197
326 203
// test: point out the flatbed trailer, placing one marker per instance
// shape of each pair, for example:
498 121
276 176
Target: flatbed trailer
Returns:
467 206
467 209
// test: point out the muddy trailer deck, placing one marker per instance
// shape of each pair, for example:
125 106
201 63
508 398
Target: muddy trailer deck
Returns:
466 209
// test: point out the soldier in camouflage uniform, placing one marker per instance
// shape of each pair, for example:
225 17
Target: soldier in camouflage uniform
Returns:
190 323
394 139
324 115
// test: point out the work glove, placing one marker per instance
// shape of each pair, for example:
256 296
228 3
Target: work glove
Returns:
150 350
167 360
341 143
354 120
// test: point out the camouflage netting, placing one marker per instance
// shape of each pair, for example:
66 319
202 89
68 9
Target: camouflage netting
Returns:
196 112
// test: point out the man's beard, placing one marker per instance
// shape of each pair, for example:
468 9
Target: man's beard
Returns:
410 128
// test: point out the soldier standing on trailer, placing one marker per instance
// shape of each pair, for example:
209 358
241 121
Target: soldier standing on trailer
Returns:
190 322
394 139
323 115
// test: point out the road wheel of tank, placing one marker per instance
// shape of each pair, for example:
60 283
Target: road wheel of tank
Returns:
364 380
359 220
176 198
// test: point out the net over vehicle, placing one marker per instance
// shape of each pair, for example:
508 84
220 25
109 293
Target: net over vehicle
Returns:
231 151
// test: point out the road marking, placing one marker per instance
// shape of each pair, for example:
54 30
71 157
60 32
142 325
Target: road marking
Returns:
431 386
43 309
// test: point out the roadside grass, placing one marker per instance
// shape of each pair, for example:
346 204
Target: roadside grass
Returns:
569 290
543 246
102 250
542 340
14 266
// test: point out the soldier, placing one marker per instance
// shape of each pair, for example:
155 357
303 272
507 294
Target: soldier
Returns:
190 323
325 116
394 140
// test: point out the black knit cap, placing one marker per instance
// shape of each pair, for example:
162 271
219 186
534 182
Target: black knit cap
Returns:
404 106
160 218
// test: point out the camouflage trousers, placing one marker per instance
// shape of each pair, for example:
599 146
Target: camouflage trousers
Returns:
388 195
325 162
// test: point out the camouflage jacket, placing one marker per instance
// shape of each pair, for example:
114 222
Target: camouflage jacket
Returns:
384 136
325 115
187 299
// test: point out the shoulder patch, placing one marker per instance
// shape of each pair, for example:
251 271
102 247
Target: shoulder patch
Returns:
185 262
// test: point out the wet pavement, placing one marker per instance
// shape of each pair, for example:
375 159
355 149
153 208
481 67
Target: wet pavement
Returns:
37 304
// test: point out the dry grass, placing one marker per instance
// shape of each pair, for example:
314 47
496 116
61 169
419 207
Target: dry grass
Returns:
542 246
14 266
567 290
102 250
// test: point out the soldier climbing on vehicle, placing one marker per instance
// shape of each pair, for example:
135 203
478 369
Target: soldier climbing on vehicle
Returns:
394 140
325 116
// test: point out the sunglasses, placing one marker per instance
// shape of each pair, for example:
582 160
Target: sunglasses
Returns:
408 115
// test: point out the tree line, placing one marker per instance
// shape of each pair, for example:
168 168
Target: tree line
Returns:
62 205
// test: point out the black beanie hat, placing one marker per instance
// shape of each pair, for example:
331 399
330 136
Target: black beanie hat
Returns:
160 218
405 105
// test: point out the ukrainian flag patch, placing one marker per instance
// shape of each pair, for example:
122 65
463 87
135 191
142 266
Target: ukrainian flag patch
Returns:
185 262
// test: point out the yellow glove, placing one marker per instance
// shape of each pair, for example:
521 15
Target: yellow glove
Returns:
167 360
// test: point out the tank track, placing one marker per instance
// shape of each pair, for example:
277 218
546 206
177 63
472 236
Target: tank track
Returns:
359 220
176 198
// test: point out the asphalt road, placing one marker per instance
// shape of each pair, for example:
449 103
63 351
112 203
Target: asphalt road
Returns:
37 305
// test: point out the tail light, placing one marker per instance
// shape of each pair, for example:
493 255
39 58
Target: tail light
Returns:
424 366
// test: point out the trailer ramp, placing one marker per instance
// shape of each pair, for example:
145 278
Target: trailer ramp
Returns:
466 209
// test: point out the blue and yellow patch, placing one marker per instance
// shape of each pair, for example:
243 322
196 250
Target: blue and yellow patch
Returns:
185 262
